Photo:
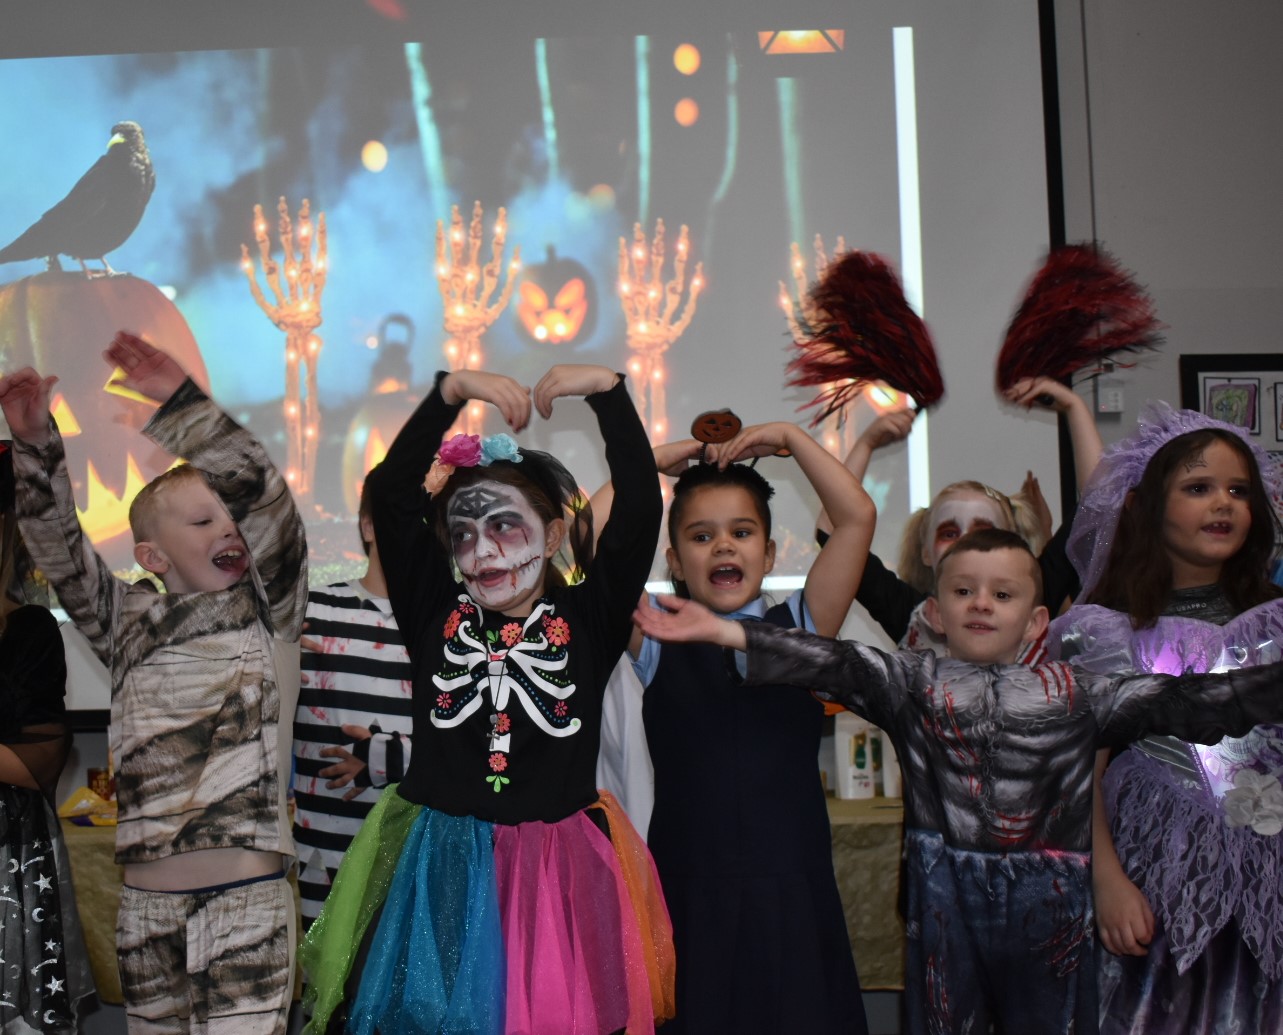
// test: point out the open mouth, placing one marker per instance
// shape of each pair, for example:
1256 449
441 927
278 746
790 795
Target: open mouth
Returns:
978 627
494 578
726 575
232 560
1219 528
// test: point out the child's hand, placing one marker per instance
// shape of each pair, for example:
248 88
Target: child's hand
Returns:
147 370
349 767
889 428
24 397
756 440
1123 916
1042 391
566 379
672 458
1031 493
510 397
685 621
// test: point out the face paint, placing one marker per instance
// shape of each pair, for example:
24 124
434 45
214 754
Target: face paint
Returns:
954 516
498 543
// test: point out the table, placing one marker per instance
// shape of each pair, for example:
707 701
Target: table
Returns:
867 837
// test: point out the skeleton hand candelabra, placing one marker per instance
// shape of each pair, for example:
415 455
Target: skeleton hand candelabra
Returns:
651 311
466 290
295 309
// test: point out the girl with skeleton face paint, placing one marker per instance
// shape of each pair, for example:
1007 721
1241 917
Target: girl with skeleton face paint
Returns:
500 545
894 598
500 800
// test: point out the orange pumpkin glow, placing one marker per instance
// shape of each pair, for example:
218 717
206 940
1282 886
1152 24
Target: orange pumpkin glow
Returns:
59 323
556 301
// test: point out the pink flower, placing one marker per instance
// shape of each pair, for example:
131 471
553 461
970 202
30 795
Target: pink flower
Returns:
444 701
510 633
502 723
559 709
498 762
452 624
557 631
461 451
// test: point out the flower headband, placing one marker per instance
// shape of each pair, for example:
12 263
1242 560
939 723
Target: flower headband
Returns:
469 451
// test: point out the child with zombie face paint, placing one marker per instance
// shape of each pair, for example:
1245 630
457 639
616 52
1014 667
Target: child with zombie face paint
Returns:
1173 539
514 895
895 599
740 830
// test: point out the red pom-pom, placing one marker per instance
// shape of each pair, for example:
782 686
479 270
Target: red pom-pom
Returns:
867 332
1081 309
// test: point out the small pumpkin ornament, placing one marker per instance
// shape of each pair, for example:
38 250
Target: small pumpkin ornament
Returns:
713 427
556 301
59 322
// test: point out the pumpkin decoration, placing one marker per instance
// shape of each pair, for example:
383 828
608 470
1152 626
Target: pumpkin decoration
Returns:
557 301
59 322
715 426
381 416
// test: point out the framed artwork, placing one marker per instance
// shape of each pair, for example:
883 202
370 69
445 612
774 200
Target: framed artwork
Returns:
1241 389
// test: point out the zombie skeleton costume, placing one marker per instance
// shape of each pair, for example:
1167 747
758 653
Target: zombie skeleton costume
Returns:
517 897
997 763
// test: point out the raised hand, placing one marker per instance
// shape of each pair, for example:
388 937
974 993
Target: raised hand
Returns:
24 397
1041 391
771 439
571 379
889 428
509 396
685 621
672 458
144 368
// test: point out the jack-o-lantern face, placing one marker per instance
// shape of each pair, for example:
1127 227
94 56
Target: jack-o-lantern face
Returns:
715 427
59 323
556 301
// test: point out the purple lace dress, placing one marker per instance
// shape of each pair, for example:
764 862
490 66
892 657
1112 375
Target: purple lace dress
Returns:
1216 889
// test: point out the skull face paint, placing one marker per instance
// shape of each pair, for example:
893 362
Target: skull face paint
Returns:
499 545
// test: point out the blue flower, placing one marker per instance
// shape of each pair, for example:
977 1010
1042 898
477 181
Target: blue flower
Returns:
499 447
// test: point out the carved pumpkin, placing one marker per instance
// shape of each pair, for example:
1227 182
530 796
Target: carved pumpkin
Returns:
60 323
556 301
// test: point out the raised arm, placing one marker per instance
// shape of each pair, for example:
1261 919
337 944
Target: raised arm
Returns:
886 430
237 469
835 574
864 679
626 543
46 511
1197 707
1068 403
416 566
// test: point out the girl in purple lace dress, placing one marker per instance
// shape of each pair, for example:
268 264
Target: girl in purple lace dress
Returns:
1173 541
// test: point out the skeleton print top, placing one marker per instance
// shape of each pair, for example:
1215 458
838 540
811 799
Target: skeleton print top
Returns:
999 758
507 711
195 704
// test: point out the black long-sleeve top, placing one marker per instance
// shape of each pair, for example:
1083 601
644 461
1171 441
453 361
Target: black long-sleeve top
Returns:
507 711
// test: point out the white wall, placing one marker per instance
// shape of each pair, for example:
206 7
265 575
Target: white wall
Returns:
1174 160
